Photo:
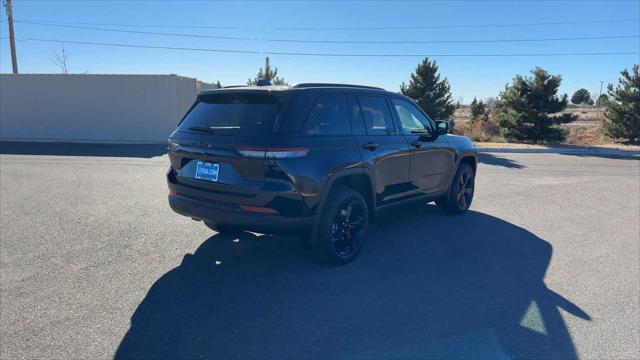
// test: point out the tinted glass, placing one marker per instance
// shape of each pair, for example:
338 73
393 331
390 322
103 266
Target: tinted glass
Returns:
233 114
411 119
357 124
375 113
329 116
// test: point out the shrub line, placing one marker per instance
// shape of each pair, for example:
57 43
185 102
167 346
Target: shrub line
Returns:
570 150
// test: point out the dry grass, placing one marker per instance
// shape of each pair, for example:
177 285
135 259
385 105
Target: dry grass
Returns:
480 131
461 115
586 130
587 115
587 135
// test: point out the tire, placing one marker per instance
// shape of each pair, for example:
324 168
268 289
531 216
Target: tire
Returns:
342 227
460 194
222 228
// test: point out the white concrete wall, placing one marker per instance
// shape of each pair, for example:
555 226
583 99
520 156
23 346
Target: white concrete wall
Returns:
93 108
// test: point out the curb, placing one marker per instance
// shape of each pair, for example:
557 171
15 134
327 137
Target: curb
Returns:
565 151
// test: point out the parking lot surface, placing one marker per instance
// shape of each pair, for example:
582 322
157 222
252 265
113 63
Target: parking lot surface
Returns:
93 264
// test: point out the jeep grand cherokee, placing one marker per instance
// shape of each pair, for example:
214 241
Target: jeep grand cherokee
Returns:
317 160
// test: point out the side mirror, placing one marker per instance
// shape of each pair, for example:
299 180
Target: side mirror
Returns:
442 127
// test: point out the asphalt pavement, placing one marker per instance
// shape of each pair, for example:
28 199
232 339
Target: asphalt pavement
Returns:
94 264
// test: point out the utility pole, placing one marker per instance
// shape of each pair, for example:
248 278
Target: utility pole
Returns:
12 40
601 82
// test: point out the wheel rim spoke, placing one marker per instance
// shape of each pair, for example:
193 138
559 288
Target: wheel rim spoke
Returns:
357 223
462 200
465 191
345 230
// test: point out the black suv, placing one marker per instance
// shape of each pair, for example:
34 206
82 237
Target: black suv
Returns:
316 160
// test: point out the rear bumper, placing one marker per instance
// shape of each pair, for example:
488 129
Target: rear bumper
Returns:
262 223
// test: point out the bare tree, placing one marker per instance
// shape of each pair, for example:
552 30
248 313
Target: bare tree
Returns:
61 60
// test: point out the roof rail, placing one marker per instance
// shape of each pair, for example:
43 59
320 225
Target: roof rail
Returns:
236 86
309 85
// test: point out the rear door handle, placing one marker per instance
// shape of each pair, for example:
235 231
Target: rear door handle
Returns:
370 146
416 143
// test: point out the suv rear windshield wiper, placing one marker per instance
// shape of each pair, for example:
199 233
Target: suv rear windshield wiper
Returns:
210 129
201 129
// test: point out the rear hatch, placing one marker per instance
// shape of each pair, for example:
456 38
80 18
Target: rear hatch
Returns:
219 145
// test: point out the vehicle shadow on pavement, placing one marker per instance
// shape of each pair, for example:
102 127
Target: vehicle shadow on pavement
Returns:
82 149
426 285
492 159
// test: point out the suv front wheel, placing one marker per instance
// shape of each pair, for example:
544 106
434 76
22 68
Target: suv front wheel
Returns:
342 227
460 194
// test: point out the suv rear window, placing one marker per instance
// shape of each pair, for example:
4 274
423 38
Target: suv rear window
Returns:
233 114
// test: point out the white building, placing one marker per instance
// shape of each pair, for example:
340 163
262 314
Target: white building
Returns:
93 108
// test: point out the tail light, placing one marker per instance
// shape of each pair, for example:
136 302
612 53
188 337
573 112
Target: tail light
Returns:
172 144
273 153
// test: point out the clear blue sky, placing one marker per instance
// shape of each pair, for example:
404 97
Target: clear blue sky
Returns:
469 76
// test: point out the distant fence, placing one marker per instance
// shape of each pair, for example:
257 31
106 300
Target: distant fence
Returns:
93 108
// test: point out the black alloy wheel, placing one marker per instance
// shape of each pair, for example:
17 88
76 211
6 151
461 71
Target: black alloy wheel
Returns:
465 189
460 194
342 227
347 228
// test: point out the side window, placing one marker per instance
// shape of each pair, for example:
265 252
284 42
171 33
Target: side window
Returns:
329 116
411 119
376 115
357 124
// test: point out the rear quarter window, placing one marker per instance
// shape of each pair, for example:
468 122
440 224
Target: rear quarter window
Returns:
329 115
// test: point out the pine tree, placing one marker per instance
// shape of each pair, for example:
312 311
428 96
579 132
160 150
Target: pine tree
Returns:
478 110
267 73
218 85
622 114
431 93
524 108
581 97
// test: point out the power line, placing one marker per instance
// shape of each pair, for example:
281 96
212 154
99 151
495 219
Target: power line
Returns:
134 31
138 46
317 54
135 25
330 1
237 38
464 26
384 27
